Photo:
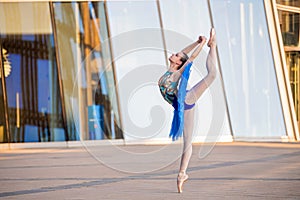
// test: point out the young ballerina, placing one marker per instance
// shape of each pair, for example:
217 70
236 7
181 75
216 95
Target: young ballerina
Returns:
179 68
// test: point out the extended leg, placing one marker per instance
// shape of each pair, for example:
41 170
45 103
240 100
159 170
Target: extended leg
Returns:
195 93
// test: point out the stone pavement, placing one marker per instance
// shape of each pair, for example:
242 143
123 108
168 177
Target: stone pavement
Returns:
224 171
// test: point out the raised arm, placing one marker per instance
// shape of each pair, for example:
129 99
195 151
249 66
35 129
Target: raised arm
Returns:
195 53
189 48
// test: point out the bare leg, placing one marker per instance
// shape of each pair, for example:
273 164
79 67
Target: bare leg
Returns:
187 147
195 93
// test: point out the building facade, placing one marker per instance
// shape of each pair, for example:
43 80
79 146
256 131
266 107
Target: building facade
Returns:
88 70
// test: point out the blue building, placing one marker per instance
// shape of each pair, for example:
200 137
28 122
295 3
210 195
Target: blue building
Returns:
85 71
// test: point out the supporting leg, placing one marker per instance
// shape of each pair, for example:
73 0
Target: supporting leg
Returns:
187 147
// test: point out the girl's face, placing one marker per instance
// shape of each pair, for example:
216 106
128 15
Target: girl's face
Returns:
175 58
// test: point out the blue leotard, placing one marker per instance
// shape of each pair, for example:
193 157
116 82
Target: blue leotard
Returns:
168 90
176 97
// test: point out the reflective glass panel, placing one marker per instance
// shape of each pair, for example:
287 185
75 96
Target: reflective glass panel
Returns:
139 60
293 63
87 73
248 68
289 2
289 25
34 104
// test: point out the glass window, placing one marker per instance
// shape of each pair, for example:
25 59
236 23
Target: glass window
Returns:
289 2
248 68
139 61
189 18
25 18
34 104
293 63
87 73
289 25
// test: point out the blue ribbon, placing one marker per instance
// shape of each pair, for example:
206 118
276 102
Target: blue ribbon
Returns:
178 104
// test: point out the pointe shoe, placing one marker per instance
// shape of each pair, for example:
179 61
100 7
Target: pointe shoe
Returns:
182 177
212 39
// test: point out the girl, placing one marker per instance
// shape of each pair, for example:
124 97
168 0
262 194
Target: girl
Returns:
184 101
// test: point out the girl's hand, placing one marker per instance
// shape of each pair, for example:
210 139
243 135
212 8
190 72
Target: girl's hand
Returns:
201 39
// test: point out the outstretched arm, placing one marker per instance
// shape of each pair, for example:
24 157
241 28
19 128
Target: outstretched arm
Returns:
195 53
189 48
